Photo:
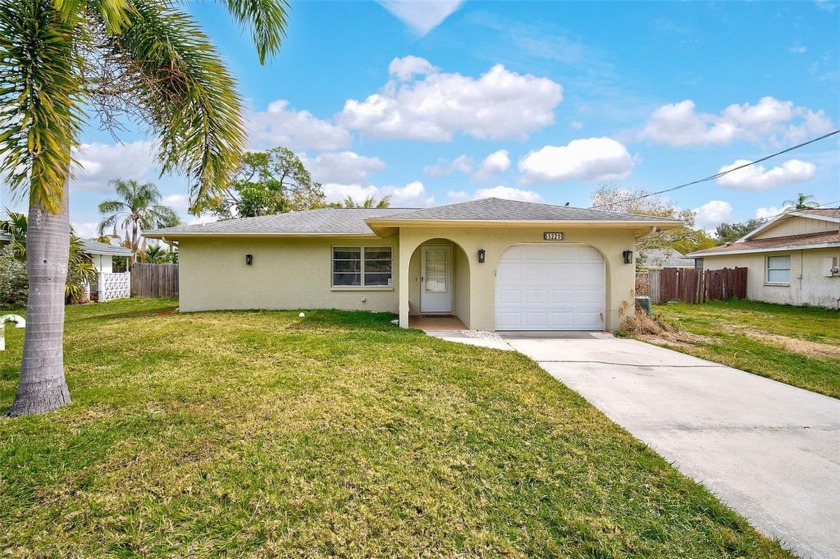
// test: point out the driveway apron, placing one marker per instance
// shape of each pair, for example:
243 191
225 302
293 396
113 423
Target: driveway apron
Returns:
769 450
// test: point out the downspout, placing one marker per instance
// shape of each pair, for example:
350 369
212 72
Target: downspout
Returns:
801 271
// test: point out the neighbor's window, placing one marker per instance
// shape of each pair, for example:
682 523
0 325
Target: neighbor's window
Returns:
361 267
778 269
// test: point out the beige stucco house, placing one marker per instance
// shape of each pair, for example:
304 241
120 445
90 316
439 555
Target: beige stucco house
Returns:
494 264
792 259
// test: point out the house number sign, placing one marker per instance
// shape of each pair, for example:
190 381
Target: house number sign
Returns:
552 236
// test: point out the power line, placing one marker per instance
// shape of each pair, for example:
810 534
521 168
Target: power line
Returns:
722 173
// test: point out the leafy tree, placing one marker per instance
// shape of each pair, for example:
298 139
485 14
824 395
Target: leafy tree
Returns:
369 202
146 57
731 232
266 183
641 202
802 202
80 269
137 209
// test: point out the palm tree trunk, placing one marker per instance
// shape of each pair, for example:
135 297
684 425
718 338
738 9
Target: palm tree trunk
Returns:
42 386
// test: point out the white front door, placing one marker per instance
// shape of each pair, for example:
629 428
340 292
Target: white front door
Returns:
435 280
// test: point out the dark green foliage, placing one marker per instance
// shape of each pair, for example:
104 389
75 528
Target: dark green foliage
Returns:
14 287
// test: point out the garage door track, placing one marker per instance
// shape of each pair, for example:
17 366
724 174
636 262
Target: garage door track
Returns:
769 450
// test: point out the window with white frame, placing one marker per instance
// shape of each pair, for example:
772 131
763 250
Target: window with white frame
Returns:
361 267
778 269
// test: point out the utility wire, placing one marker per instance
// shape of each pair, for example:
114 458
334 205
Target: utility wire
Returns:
722 173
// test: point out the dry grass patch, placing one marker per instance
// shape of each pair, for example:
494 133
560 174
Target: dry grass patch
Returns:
798 346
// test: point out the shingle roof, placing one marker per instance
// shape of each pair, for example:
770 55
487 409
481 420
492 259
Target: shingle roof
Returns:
325 221
95 247
354 221
829 212
810 240
496 209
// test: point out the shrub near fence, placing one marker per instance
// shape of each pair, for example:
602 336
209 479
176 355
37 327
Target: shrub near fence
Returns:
154 280
692 285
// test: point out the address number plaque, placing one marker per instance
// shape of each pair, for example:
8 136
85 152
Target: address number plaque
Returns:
548 236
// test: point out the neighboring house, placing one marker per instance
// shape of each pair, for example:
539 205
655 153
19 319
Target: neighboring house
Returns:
102 254
665 258
495 264
792 259
109 285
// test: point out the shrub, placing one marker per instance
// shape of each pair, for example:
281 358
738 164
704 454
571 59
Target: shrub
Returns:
14 286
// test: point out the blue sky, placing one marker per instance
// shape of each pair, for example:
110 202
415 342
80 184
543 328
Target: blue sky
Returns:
439 102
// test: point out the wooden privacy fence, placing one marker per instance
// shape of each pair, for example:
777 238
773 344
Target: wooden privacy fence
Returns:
692 285
154 280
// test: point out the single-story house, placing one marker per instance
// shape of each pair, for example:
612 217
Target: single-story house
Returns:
102 254
792 259
494 264
665 258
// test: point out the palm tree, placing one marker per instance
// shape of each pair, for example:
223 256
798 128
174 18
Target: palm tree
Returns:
802 202
137 210
146 57
80 268
369 202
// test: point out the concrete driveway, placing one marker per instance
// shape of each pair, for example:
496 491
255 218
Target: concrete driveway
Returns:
769 450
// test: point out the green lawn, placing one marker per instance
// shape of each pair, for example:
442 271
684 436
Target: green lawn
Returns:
795 345
262 434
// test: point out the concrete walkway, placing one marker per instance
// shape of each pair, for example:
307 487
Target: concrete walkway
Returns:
767 449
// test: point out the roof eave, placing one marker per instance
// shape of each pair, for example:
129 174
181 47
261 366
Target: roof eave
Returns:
376 223
833 244
200 234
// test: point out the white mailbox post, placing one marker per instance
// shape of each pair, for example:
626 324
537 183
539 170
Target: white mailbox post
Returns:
18 321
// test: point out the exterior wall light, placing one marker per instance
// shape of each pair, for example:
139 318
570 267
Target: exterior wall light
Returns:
249 259
481 256
628 256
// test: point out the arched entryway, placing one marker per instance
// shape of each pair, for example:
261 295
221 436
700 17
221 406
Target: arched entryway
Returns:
439 274
550 287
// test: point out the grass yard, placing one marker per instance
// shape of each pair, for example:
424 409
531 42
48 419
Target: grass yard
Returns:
795 345
260 434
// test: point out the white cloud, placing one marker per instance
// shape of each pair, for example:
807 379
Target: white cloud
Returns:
409 66
576 124
586 159
756 177
421 16
679 124
98 164
178 202
501 191
765 213
499 104
411 195
296 130
492 165
86 229
713 213
342 167
461 164
799 49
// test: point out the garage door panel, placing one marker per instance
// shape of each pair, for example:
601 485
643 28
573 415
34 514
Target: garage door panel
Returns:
562 297
510 296
550 287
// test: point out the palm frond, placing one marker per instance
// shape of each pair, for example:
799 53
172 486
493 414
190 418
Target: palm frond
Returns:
40 108
267 20
186 93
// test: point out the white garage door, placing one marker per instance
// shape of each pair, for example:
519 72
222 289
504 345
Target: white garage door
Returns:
550 287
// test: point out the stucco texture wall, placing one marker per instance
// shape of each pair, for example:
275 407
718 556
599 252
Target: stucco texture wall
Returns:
610 243
808 283
285 274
